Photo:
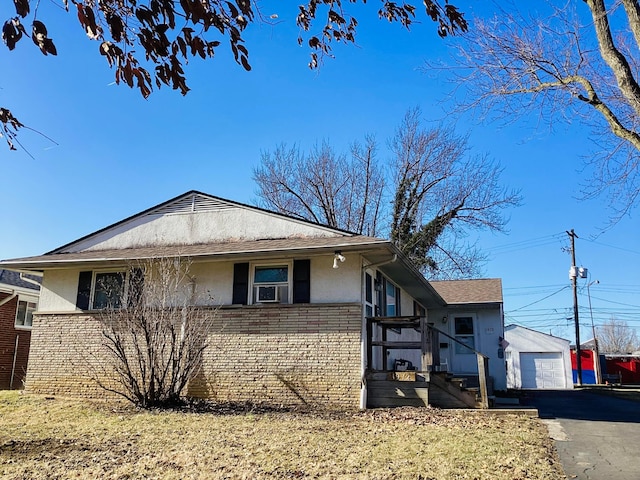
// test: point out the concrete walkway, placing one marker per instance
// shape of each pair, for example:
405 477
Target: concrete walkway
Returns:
597 435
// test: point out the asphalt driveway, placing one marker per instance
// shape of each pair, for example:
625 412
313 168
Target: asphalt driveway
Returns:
597 436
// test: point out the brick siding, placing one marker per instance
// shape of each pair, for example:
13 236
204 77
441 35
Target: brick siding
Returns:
8 335
279 354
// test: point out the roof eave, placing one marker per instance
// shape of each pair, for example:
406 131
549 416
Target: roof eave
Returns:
38 264
402 270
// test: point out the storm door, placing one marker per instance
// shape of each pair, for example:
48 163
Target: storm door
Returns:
465 332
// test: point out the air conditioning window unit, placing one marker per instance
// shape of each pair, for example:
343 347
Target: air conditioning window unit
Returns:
268 293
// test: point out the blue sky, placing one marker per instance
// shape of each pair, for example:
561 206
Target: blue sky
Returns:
117 154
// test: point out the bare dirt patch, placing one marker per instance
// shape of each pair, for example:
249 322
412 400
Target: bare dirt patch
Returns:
65 438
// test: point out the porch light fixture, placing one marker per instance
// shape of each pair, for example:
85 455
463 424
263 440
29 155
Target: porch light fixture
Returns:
337 256
444 319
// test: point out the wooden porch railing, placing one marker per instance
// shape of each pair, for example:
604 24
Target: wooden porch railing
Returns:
483 367
429 337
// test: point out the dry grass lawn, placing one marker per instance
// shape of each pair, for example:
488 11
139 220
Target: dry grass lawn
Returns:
59 438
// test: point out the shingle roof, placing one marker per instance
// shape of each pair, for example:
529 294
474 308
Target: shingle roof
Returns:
199 250
9 277
486 290
378 251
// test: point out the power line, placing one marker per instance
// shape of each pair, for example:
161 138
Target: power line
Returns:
613 246
616 303
525 244
540 300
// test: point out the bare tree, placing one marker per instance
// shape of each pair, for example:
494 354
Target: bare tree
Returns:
439 193
323 186
615 336
440 189
153 330
579 63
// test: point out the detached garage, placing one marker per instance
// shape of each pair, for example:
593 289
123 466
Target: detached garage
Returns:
536 360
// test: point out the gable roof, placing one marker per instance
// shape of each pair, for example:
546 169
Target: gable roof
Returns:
523 339
191 202
139 237
513 327
466 292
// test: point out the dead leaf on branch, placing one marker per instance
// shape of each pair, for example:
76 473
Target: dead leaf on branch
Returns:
22 7
12 32
116 27
40 38
87 19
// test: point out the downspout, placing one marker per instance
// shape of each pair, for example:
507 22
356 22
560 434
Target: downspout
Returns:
13 294
363 332
13 367
30 280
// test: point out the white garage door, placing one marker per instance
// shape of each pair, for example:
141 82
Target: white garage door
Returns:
542 370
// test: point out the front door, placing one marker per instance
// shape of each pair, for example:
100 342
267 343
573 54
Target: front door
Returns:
465 332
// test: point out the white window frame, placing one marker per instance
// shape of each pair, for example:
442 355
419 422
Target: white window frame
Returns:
369 303
125 287
459 349
26 300
389 286
288 283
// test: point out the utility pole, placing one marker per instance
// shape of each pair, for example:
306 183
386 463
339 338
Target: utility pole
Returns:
573 273
596 352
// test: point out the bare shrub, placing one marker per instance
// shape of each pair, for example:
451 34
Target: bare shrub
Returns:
154 331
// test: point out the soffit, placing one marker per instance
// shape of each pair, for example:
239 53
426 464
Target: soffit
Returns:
221 250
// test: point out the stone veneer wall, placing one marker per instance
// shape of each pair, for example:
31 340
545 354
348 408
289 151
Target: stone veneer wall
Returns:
279 354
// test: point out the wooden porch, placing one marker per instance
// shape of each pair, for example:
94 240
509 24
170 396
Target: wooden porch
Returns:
428 384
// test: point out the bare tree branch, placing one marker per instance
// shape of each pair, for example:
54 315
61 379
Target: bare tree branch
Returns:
324 187
615 336
439 193
578 64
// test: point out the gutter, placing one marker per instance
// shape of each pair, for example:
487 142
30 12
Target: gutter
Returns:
379 264
30 280
11 296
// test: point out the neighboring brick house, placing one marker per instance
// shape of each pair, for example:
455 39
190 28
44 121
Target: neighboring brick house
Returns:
18 301
292 300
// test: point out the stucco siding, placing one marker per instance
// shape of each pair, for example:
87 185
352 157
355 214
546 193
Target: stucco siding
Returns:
58 291
229 224
406 304
488 330
286 354
214 282
342 284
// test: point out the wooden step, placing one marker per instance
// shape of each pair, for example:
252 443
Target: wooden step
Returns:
446 394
